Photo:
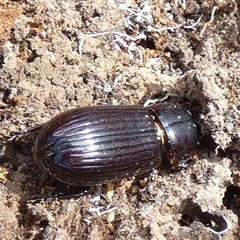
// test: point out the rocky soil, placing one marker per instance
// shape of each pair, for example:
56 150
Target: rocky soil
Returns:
57 55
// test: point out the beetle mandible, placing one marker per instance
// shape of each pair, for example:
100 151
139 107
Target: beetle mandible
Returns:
93 145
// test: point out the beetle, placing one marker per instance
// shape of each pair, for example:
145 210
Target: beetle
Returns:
87 146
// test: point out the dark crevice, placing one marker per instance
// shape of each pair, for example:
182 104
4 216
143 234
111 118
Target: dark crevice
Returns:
231 199
148 43
191 212
96 14
1 59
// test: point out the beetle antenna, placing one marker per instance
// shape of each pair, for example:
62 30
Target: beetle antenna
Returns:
14 135
82 192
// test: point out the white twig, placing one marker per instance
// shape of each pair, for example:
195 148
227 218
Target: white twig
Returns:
107 87
117 38
184 4
159 30
194 24
209 22
157 100
101 212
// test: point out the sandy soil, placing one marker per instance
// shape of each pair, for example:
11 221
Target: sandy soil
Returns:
57 55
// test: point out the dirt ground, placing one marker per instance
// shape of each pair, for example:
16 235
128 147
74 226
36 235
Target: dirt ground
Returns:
57 55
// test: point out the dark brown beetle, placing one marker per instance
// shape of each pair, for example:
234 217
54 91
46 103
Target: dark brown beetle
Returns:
93 145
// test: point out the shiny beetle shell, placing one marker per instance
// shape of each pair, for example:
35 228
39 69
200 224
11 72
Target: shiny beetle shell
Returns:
93 145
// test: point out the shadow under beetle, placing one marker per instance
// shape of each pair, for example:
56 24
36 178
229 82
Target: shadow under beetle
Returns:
93 145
